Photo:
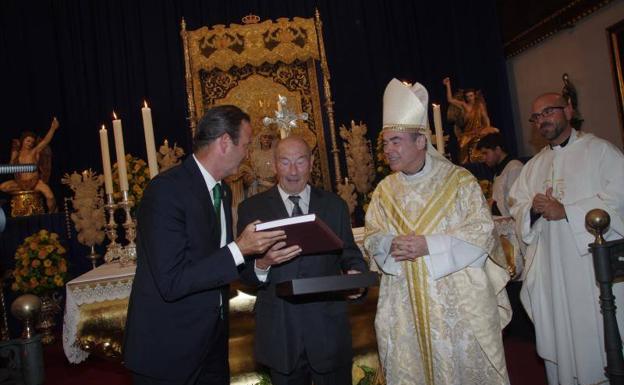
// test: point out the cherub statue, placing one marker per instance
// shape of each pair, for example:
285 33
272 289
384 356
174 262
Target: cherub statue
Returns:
27 150
468 112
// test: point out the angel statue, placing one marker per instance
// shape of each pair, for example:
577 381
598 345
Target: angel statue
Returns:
468 112
28 150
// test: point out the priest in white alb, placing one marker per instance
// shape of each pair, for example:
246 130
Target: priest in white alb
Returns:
575 173
442 303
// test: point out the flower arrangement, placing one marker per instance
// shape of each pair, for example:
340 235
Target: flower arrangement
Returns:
40 265
138 178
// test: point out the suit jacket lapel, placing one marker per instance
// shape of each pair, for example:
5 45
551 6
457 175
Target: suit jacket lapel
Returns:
200 190
276 204
317 205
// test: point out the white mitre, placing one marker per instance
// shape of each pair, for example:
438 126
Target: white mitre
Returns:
405 110
405 107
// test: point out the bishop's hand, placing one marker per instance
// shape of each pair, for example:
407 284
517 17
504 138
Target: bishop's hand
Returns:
408 247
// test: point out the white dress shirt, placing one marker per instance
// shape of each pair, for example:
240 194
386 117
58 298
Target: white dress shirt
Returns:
210 183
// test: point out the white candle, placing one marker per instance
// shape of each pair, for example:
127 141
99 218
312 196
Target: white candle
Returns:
106 164
279 105
121 153
150 145
437 122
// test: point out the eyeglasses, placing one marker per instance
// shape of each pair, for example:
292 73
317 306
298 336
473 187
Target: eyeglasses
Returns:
548 111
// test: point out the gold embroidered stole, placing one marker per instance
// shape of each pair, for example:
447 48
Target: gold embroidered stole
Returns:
434 210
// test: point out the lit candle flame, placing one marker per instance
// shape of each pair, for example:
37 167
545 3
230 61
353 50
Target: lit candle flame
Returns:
114 115
145 103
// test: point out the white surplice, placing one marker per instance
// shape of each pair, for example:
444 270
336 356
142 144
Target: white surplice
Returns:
502 185
560 292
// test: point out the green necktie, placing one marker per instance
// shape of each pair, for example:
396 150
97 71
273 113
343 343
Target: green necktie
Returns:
216 200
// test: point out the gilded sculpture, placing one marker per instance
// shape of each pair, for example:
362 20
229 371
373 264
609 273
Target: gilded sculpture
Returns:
27 150
468 113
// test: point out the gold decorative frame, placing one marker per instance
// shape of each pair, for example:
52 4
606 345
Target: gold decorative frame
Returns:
615 34
264 60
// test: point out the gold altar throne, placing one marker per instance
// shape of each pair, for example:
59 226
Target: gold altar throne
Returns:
250 64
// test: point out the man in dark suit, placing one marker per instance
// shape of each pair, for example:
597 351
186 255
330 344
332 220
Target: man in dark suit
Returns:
176 331
300 339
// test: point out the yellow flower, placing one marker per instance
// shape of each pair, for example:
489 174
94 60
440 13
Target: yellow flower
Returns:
47 263
54 236
61 250
58 280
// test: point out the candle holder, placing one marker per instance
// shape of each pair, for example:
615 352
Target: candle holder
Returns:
128 254
113 250
93 256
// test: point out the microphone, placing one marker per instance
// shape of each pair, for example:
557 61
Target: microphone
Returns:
17 168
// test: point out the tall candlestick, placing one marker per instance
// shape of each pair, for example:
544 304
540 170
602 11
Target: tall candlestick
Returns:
150 145
121 153
106 164
437 122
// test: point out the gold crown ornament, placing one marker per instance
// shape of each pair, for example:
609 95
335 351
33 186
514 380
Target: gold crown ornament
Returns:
251 19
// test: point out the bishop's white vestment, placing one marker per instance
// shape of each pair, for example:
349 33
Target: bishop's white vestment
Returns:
559 291
439 318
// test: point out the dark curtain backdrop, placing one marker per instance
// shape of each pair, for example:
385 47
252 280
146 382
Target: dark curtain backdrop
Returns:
80 60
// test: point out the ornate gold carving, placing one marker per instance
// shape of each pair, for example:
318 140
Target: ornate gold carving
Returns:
267 42
249 65
25 203
101 327
251 19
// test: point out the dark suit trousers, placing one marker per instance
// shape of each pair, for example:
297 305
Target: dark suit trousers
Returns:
305 375
214 370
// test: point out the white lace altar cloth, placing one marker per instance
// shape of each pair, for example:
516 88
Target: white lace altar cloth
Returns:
109 281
